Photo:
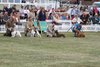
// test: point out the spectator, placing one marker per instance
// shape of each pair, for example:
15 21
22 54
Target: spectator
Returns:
95 11
77 19
5 17
22 14
95 19
23 1
52 11
67 16
26 12
50 17
32 14
63 17
12 9
42 15
73 11
5 9
1 20
84 17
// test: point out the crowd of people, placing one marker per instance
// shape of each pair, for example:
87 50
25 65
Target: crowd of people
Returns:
10 17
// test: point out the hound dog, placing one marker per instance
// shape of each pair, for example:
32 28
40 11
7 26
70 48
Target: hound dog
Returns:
32 32
80 34
16 34
54 33
57 34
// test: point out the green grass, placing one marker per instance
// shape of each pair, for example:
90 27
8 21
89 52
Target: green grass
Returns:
50 52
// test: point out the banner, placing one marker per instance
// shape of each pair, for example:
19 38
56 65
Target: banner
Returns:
89 28
64 27
43 25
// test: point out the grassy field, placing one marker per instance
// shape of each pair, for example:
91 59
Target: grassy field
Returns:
50 52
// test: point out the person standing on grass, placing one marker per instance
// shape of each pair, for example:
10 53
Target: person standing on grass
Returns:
41 16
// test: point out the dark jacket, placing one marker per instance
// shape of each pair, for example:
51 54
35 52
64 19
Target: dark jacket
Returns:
5 9
42 16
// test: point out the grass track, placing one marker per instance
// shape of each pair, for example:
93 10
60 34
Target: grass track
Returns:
50 52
